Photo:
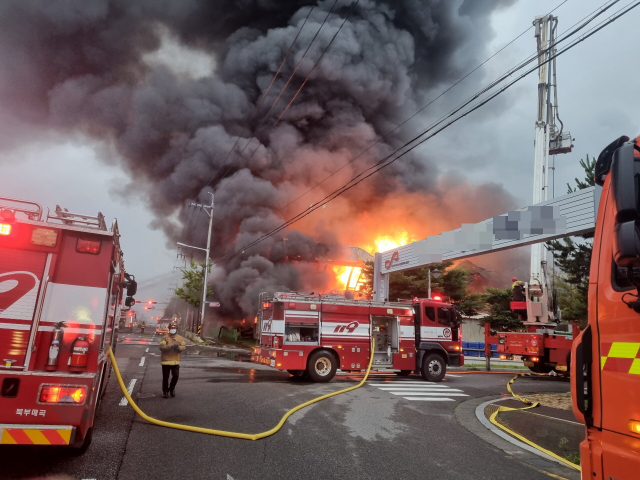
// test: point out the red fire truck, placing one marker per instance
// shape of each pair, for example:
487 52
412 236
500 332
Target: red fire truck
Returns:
61 282
605 383
314 335
542 348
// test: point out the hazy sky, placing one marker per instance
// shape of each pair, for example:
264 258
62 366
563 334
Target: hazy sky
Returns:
597 95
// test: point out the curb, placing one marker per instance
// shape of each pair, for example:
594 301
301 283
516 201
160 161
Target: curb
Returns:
470 415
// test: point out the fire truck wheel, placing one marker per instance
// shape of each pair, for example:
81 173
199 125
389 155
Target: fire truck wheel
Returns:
404 373
322 366
433 367
81 446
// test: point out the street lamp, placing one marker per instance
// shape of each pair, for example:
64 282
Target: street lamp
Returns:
436 274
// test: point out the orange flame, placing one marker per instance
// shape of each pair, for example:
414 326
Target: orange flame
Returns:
382 244
347 278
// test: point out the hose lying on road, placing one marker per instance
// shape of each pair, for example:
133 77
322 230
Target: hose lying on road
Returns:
530 404
223 433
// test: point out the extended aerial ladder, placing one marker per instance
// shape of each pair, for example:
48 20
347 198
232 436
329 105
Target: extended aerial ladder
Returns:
546 219
548 140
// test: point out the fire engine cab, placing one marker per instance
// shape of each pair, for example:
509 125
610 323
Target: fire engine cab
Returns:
61 282
314 335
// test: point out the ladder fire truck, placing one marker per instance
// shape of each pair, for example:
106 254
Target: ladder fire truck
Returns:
61 284
541 347
315 335
605 373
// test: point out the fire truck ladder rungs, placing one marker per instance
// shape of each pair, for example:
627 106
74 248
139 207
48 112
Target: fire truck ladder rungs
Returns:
223 433
69 218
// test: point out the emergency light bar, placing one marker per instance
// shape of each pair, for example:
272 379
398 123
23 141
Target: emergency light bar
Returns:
5 229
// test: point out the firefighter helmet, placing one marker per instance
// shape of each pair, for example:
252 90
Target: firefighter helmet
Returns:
514 279
173 324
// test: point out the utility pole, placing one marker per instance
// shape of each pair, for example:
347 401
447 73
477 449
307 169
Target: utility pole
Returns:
208 209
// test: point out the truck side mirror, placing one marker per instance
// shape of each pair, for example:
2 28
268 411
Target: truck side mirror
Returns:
625 184
625 180
132 289
129 301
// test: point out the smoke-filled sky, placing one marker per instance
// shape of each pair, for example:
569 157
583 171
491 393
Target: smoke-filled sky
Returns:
137 108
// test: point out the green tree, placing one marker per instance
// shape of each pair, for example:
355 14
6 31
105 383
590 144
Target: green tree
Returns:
501 317
191 290
452 283
574 308
573 258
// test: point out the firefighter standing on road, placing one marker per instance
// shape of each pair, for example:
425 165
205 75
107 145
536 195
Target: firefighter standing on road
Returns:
171 346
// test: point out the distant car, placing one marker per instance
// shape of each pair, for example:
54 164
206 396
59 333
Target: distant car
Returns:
162 329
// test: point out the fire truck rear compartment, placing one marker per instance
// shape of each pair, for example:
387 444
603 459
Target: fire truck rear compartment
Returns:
384 329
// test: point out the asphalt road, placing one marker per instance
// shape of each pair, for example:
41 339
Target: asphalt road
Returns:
392 427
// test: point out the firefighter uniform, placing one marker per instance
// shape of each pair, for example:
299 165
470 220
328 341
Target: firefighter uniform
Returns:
171 347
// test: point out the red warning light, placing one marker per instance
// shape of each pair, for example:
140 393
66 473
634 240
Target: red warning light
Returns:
437 298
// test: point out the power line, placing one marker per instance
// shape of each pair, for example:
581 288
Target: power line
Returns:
317 61
264 95
266 115
303 83
404 122
388 160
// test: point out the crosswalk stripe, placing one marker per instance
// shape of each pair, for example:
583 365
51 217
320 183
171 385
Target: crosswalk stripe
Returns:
429 399
427 394
402 382
421 389
449 375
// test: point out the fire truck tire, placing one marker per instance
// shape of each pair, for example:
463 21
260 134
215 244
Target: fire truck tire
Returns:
322 366
81 446
404 373
540 368
433 367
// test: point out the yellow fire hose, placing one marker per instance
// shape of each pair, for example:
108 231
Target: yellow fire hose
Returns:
529 404
223 433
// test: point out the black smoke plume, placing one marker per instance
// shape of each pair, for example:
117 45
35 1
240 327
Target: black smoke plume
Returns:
78 67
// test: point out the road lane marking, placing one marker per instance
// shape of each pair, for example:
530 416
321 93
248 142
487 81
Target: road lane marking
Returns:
124 402
420 389
428 394
404 382
429 399
449 375
141 362
423 391
147 350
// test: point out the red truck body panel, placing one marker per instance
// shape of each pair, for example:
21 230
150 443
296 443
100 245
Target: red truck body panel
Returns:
50 273
293 326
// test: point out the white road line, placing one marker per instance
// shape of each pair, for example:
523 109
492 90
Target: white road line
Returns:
142 359
124 400
420 389
147 350
448 374
429 399
427 394
404 383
